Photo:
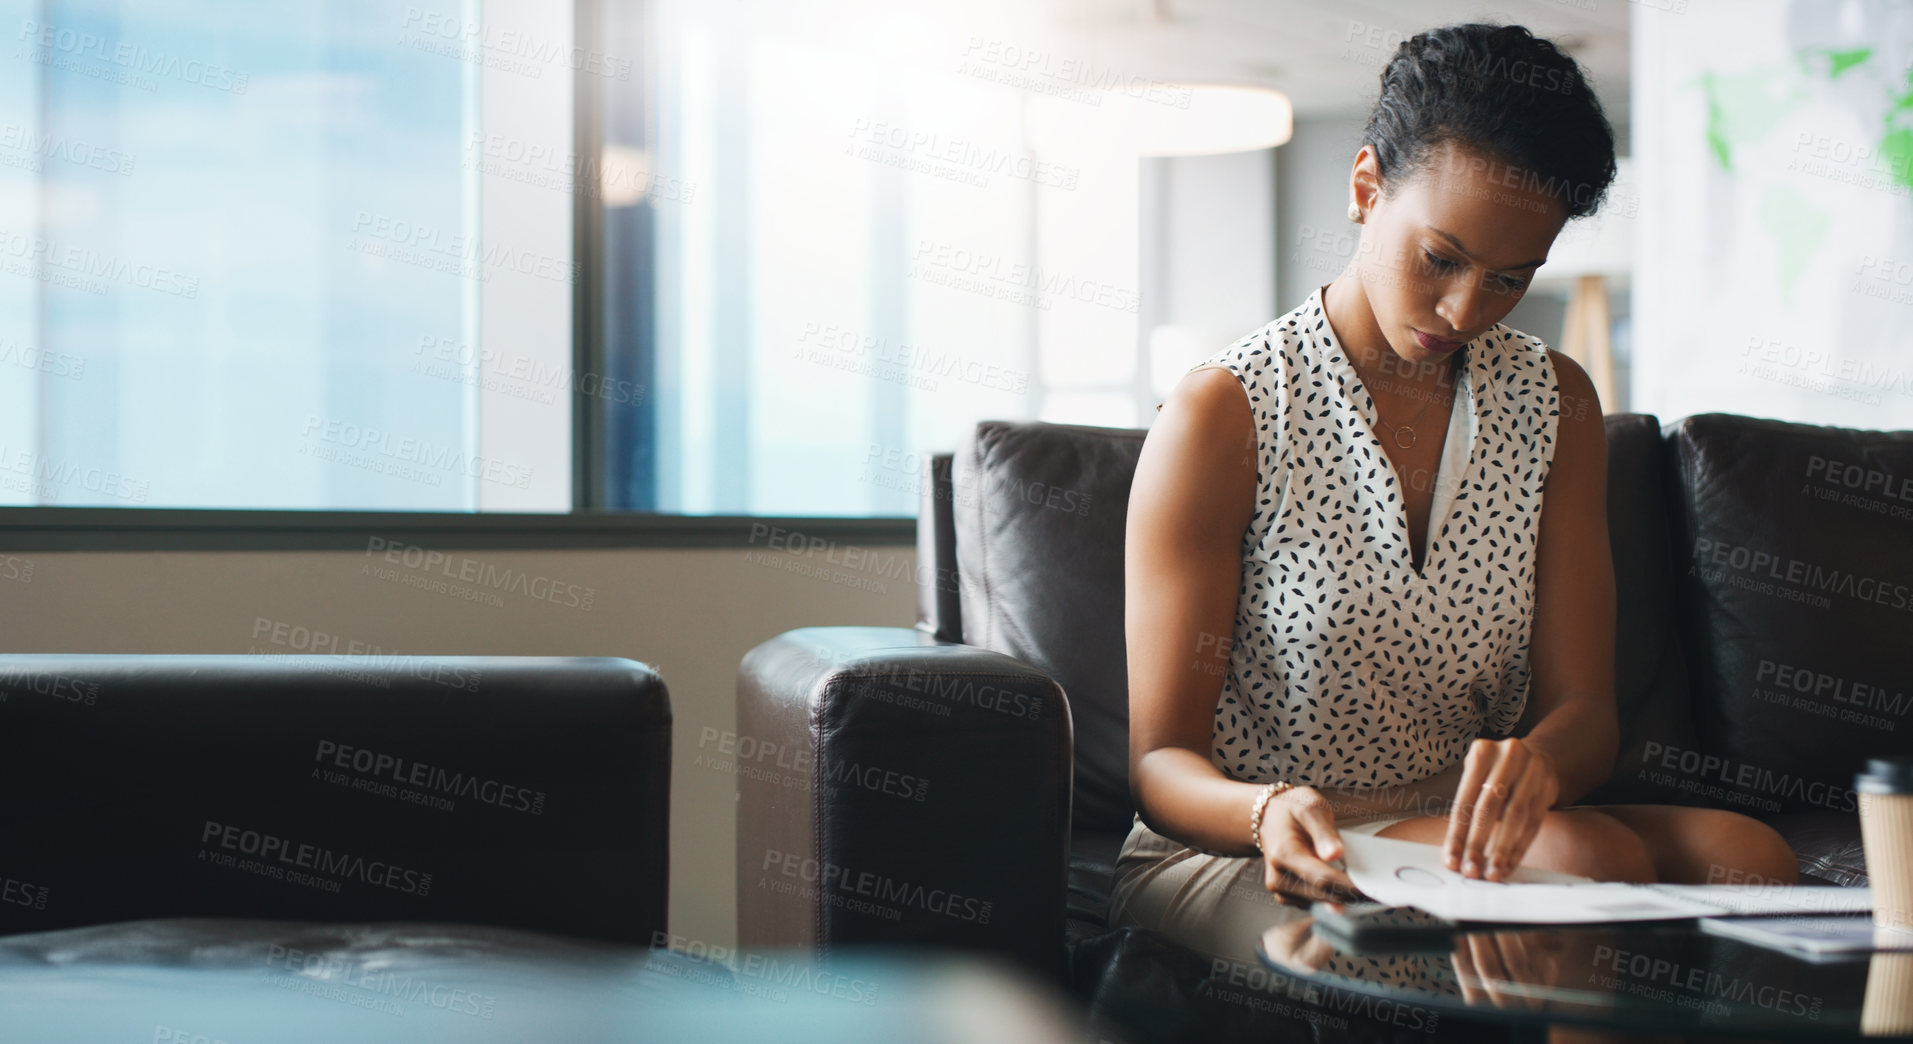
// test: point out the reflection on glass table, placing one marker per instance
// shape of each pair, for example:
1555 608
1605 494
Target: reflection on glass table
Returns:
1667 977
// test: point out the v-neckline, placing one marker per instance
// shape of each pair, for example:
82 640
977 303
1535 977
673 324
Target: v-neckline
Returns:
1465 385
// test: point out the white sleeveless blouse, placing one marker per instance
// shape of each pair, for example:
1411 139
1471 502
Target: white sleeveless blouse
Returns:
1349 668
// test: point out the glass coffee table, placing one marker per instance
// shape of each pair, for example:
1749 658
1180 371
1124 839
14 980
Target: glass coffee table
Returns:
1661 978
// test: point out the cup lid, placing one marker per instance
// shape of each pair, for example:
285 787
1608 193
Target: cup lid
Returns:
1886 776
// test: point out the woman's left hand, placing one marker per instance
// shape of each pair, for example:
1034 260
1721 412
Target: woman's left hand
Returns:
1507 787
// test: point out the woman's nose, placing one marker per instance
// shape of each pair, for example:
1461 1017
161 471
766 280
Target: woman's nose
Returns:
1460 307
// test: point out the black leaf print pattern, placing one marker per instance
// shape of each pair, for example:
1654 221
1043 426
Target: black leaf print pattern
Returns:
1350 668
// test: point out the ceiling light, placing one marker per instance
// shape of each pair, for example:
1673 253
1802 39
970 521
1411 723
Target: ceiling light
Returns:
1154 118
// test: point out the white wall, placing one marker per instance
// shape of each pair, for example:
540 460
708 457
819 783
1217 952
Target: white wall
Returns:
1314 238
690 613
1208 260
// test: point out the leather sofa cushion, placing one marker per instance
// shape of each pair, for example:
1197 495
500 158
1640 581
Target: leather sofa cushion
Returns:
1039 517
530 792
1827 845
1649 664
1797 594
1650 670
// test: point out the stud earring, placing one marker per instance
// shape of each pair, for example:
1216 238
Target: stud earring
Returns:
1354 212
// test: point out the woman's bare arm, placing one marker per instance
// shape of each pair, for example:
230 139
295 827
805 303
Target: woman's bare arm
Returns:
1569 734
1191 503
1571 703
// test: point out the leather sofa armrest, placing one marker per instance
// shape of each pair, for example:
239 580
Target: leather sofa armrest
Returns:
894 789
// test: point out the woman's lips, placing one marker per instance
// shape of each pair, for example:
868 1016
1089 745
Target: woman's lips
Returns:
1436 344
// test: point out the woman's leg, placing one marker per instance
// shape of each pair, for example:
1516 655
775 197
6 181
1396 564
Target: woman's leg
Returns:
1709 846
1573 841
1212 903
1666 843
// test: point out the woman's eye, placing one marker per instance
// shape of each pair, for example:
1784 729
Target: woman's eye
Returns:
1440 264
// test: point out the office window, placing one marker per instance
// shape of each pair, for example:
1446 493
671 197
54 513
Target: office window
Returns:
338 255
304 254
856 252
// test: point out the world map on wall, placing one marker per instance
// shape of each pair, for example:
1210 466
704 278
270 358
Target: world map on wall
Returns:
1773 270
1858 62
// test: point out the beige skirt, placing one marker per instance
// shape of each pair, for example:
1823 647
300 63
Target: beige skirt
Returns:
1212 903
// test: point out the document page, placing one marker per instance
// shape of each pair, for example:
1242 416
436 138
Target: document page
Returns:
1771 900
1812 935
1408 873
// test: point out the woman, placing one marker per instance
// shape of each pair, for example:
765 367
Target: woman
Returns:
1317 647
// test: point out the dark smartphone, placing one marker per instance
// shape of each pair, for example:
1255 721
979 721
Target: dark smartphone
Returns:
1378 925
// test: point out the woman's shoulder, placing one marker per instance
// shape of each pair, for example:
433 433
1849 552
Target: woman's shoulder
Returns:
1555 385
1227 395
1263 347
1527 348
1513 358
1506 342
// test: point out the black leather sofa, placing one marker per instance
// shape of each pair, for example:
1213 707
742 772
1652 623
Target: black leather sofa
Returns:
1765 590
213 849
210 848
517 792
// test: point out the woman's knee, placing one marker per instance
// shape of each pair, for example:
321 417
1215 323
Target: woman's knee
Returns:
1736 849
1579 841
1709 846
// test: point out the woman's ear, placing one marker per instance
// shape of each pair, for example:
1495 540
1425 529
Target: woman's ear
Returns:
1364 180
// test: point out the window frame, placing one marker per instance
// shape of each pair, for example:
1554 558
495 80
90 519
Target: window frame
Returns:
586 525
34 529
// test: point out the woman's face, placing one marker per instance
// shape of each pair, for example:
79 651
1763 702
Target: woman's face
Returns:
1451 250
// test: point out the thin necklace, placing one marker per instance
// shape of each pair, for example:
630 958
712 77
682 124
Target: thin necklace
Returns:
1405 436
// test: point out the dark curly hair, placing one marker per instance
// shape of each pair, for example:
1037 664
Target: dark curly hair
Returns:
1500 91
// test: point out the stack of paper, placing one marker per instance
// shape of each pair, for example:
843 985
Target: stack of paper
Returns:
1814 936
1408 873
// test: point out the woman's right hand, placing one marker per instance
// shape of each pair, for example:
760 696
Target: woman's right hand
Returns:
1299 841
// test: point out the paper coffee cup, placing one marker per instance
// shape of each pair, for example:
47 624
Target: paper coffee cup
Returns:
1886 831
1887 1009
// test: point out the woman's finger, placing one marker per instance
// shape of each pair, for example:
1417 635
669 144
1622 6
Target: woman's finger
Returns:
1292 891
1544 791
1493 800
1312 813
1309 877
1503 851
1473 773
1511 846
1283 885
